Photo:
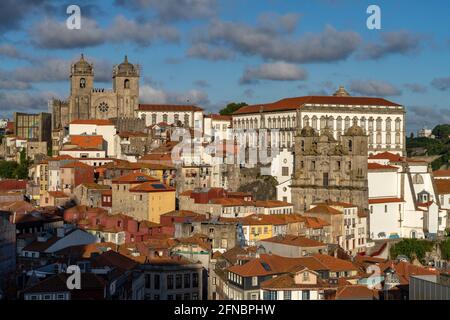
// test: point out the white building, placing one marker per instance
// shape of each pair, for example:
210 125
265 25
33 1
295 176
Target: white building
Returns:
217 127
104 128
273 125
425 133
189 115
91 153
282 169
403 201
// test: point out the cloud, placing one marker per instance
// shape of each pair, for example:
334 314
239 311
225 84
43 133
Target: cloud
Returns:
272 43
374 88
174 10
416 87
151 94
11 101
52 34
207 52
10 51
441 84
49 70
277 71
397 42
275 23
13 12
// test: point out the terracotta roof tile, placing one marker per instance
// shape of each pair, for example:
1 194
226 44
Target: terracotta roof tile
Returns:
385 200
294 103
322 208
297 241
168 107
443 186
85 141
135 177
378 166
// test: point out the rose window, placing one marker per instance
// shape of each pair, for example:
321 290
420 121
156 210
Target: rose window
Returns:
103 107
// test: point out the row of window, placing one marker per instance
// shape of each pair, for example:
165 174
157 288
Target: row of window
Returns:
178 281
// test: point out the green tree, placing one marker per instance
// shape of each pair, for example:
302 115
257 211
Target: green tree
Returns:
442 131
411 248
445 249
232 107
8 169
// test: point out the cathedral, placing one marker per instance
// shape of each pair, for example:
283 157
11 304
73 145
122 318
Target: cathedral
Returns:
329 169
87 102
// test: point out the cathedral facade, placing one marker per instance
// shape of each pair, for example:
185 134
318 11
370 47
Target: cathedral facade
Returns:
87 102
329 169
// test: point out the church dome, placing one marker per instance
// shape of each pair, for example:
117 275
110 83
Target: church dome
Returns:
126 68
308 131
82 66
354 130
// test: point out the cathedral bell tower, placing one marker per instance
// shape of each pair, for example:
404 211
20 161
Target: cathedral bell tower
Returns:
81 84
126 87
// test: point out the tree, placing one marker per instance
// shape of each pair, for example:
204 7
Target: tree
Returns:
411 248
232 107
445 249
8 169
442 131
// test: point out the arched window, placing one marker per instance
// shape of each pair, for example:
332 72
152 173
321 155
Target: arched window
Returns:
388 124
126 84
314 122
350 145
154 118
397 124
186 120
323 122
347 123
164 118
339 123
330 123
305 121
417 179
82 83
379 123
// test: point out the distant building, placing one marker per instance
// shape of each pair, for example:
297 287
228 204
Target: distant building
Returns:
425 133
329 169
34 127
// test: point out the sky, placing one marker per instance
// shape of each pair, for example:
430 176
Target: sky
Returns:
212 52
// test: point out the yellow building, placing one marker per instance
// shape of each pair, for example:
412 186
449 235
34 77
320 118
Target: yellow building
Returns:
151 200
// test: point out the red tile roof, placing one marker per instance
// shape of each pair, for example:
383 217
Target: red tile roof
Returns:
349 292
76 164
297 241
135 177
322 208
442 186
378 166
168 107
387 156
219 117
294 103
84 141
441 173
385 200
58 194
152 187
10 184
97 122
335 264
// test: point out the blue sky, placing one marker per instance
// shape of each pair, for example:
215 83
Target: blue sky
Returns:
210 52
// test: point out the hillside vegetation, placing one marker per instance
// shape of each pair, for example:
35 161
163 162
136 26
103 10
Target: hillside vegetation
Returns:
439 146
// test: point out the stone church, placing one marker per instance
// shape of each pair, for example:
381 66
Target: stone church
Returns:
327 169
87 102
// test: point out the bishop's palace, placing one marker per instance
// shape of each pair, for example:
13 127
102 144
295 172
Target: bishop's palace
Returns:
87 102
